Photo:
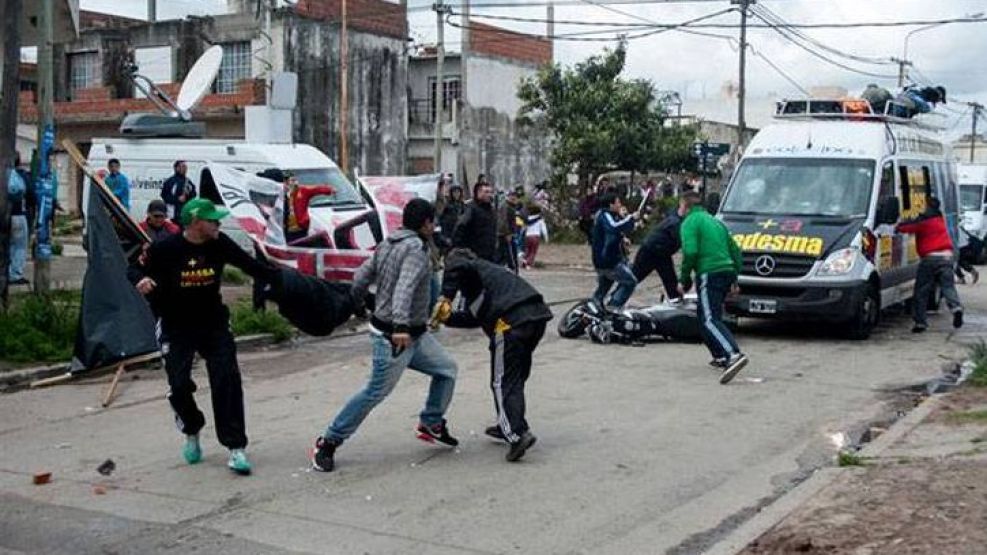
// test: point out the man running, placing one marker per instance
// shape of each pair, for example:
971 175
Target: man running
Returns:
611 227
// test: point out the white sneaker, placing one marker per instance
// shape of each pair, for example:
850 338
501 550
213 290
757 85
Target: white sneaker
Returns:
734 365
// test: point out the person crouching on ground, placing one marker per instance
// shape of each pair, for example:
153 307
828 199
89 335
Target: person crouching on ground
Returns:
399 336
936 267
182 275
513 314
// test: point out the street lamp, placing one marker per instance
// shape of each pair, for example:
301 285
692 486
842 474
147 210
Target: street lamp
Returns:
903 62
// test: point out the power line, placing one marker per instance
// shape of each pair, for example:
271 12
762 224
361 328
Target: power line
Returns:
778 20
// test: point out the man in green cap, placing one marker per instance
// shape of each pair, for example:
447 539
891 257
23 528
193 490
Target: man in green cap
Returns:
181 276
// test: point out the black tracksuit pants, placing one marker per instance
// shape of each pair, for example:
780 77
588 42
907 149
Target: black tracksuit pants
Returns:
510 366
647 261
217 347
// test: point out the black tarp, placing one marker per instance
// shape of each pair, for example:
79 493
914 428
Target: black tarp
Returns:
313 305
115 323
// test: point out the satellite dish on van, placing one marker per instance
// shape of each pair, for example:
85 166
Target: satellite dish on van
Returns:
199 80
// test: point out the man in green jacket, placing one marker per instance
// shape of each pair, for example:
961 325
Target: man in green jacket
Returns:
710 252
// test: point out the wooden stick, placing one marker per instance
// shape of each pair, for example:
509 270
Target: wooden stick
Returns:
94 372
52 380
108 398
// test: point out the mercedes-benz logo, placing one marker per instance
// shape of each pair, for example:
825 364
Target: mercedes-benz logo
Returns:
764 265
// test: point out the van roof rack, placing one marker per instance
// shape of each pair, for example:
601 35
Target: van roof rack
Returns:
850 109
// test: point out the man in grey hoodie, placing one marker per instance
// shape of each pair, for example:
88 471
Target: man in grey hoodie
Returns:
401 269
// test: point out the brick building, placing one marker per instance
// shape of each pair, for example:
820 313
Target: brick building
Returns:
480 133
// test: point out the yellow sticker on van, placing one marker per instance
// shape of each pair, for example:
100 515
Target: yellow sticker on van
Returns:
794 244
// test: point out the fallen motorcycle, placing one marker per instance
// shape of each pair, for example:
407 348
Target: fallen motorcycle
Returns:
664 321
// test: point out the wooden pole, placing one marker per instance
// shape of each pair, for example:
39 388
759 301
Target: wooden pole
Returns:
10 12
108 398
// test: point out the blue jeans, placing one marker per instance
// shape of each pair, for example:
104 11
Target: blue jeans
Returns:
626 282
425 355
18 247
713 289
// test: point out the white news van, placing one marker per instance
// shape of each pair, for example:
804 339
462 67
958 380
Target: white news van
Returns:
973 202
813 206
148 162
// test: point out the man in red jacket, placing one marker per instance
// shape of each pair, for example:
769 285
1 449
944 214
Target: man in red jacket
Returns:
936 250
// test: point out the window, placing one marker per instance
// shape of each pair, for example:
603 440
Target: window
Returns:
915 189
234 67
451 92
84 70
887 181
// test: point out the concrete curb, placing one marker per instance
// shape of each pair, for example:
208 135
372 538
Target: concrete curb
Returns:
780 508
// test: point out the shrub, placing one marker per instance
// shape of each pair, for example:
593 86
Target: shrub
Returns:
39 328
247 321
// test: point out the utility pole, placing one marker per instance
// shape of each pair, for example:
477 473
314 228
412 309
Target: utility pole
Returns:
902 72
152 10
973 132
344 97
440 54
462 122
10 15
742 93
46 122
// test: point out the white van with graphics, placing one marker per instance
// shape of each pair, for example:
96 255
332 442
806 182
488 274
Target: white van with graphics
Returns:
813 206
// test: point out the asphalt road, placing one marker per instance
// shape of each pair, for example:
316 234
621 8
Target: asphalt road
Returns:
640 449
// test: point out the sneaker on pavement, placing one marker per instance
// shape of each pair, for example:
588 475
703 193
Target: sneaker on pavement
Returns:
495 433
323 456
734 365
238 462
958 318
438 432
719 363
192 451
519 447
919 328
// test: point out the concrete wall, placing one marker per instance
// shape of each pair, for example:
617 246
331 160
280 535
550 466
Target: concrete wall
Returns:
493 83
377 93
492 143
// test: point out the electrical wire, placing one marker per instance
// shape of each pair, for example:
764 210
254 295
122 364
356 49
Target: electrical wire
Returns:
766 12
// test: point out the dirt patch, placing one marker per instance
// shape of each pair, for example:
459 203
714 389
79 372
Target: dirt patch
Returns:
963 400
924 506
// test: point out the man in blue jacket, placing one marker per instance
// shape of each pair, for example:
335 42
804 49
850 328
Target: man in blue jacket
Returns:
118 182
609 228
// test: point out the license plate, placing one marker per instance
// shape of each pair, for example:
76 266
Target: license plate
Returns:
762 306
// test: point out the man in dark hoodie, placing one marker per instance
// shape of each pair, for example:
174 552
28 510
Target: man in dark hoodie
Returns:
655 254
450 214
477 227
513 314
399 334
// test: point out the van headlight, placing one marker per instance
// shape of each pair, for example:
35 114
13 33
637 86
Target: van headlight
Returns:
838 263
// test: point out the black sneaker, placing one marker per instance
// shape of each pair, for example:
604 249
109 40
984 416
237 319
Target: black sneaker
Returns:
519 447
958 318
734 365
719 363
322 455
494 432
919 328
438 432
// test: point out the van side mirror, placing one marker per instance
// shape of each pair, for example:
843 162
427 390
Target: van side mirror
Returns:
888 211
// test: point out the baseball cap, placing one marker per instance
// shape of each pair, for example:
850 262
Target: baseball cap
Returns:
157 207
202 209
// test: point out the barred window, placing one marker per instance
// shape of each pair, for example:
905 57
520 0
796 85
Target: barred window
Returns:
451 92
235 66
84 70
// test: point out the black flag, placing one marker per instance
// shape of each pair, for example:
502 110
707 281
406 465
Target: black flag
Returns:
115 323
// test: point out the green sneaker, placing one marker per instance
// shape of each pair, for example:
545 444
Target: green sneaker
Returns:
238 462
192 450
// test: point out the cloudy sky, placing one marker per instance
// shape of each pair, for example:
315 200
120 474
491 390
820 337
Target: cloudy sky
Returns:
954 55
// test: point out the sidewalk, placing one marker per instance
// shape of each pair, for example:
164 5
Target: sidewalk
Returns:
924 492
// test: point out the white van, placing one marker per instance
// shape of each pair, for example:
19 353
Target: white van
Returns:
973 202
813 206
148 162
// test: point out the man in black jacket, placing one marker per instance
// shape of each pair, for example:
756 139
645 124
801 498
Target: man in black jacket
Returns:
451 213
477 228
513 314
655 254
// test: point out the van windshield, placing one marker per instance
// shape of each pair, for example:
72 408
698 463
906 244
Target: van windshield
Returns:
345 192
970 198
801 187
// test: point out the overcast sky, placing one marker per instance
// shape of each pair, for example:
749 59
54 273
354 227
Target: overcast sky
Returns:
953 55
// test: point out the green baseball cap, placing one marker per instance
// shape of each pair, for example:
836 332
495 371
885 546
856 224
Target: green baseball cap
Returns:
202 209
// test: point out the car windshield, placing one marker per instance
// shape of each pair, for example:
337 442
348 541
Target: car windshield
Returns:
345 192
970 198
801 187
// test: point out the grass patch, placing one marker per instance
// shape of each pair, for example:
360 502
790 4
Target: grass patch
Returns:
846 458
235 276
978 355
247 321
38 328
968 417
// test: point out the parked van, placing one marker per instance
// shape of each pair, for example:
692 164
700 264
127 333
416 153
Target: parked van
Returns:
148 162
813 206
973 202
